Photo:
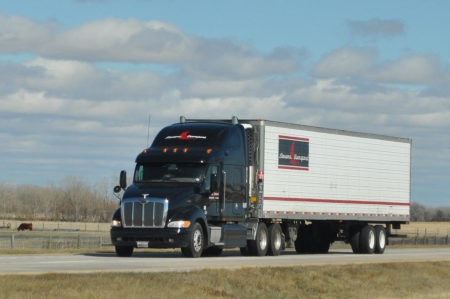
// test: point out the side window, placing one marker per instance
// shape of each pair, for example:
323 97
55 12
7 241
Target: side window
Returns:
212 175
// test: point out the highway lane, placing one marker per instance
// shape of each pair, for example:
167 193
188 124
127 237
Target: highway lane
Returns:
175 261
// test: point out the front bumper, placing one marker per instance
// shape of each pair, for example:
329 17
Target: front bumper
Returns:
156 237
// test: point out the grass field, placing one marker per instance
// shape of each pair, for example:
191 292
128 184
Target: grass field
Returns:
393 280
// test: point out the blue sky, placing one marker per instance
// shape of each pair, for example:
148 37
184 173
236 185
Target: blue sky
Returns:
78 79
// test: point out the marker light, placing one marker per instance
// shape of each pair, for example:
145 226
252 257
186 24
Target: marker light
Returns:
179 224
175 150
144 151
185 150
208 151
165 150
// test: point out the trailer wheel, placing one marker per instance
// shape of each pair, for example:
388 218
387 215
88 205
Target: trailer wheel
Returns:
124 251
367 240
259 246
212 251
354 240
275 237
380 239
195 247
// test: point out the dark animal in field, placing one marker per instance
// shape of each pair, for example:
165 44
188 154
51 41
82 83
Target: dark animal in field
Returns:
24 226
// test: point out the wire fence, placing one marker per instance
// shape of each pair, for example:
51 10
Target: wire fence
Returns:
53 242
56 226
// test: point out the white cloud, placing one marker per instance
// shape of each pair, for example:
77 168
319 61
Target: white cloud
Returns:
20 34
361 64
155 42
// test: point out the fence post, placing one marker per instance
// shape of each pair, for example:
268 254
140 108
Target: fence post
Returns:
12 241
101 242
78 242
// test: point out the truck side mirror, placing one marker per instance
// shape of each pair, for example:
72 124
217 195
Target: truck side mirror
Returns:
214 183
123 179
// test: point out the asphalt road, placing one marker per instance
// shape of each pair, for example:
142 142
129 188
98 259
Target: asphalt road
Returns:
175 261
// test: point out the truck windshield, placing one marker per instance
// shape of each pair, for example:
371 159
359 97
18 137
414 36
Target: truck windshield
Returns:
169 172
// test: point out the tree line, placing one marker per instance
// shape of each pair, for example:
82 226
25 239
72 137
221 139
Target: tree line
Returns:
421 213
73 199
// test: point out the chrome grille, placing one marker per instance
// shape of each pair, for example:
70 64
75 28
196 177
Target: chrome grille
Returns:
140 212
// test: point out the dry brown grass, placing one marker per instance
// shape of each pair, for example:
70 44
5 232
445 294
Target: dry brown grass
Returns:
428 228
393 280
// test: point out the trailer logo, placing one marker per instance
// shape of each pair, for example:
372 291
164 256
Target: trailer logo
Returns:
293 153
186 136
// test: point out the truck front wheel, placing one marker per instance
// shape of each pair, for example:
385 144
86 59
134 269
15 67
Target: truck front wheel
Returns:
124 251
195 247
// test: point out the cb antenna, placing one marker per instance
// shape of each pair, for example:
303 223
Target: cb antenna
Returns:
148 129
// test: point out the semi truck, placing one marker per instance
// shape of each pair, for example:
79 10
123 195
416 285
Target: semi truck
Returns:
263 186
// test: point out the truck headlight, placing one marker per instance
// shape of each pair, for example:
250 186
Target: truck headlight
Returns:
179 224
116 223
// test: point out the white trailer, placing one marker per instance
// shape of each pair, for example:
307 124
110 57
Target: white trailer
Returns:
338 185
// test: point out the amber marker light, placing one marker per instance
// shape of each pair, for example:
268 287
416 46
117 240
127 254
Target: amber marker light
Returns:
175 149
185 150
144 151
165 150
208 151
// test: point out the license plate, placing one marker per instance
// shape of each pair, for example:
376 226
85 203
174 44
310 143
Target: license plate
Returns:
141 244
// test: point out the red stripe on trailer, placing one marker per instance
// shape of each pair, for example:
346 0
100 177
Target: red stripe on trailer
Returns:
339 201
293 138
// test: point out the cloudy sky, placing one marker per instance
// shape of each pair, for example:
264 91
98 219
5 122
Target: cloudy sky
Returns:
79 79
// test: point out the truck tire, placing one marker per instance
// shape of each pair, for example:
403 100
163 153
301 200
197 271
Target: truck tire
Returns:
354 240
212 251
275 239
195 247
380 239
367 240
124 251
259 246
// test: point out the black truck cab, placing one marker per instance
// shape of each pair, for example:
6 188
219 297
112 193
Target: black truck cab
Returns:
189 190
